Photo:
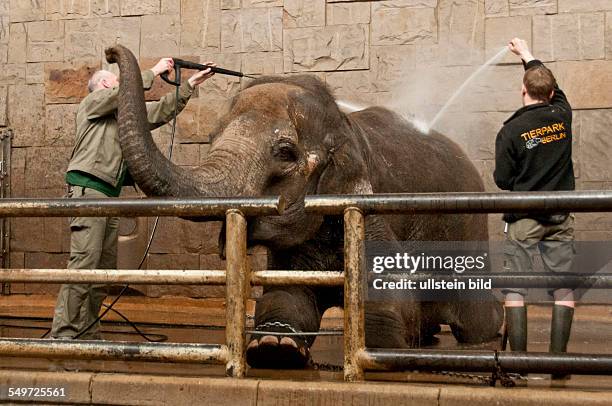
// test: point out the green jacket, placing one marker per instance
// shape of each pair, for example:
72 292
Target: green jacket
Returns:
97 151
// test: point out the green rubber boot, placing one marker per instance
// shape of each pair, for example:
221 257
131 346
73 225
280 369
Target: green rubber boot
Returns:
560 329
516 319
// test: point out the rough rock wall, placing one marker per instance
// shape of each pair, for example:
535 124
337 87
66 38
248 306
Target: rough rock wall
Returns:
408 54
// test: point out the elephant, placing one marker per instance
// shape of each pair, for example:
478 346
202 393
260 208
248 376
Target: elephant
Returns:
286 136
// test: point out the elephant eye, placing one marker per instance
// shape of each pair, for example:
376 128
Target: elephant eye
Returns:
285 152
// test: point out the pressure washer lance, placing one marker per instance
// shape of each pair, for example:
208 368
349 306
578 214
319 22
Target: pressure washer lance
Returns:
182 64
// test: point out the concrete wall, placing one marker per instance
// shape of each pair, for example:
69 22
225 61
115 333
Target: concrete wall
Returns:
409 54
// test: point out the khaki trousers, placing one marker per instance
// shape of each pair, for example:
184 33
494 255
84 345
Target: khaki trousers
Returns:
93 245
527 238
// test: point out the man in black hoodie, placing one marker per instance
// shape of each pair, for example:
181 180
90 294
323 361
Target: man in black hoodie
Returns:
533 151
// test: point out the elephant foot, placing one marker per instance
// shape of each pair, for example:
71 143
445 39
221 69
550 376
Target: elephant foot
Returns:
428 335
269 353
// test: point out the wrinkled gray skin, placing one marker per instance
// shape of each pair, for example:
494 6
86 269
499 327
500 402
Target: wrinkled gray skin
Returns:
286 136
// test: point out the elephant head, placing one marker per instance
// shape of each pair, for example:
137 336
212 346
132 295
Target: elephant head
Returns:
279 136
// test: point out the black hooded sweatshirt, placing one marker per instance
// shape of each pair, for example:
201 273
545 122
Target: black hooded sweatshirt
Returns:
533 151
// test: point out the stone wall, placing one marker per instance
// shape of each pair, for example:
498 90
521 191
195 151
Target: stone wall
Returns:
408 54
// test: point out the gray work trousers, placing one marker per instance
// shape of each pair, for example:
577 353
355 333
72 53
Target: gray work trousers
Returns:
527 238
93 245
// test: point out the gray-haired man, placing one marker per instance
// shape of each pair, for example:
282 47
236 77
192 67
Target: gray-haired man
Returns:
97 170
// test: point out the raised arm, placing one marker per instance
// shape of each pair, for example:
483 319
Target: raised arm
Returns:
520 48
162 111
103 102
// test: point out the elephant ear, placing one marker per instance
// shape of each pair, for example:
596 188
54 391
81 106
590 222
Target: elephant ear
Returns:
346 173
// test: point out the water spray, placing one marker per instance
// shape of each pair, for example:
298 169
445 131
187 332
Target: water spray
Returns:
348 107
465 84
420 125
182 64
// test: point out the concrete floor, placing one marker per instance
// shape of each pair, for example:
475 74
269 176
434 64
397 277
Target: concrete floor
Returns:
591 334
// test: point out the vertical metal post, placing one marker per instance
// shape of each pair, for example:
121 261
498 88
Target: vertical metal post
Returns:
5 191
354 313
236 290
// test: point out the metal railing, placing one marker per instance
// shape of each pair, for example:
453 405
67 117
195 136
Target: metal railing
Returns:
6 137
237 277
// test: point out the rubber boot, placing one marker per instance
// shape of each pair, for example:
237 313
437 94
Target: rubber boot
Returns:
560 329
516 320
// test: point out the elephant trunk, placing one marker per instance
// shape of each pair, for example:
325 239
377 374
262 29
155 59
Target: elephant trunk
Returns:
233 168
155 174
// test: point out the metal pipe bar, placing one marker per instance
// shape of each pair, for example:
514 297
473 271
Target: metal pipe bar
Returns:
515 202
121 276
236 293
583 201
354 314
168 277
485 361
5 162
297 277
194 207
285 277
113 351
5 191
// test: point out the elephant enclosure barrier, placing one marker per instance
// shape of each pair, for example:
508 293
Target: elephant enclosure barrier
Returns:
237 277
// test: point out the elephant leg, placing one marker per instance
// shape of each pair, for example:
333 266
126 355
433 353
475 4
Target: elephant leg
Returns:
392 324
475 322
286 309
431 318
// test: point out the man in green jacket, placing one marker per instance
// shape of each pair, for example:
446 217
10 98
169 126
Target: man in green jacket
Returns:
97 170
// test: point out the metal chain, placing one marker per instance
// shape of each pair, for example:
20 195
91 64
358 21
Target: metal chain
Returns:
323 366
507 379
277 324
293 331
520 377
486 380
500 375
271 324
